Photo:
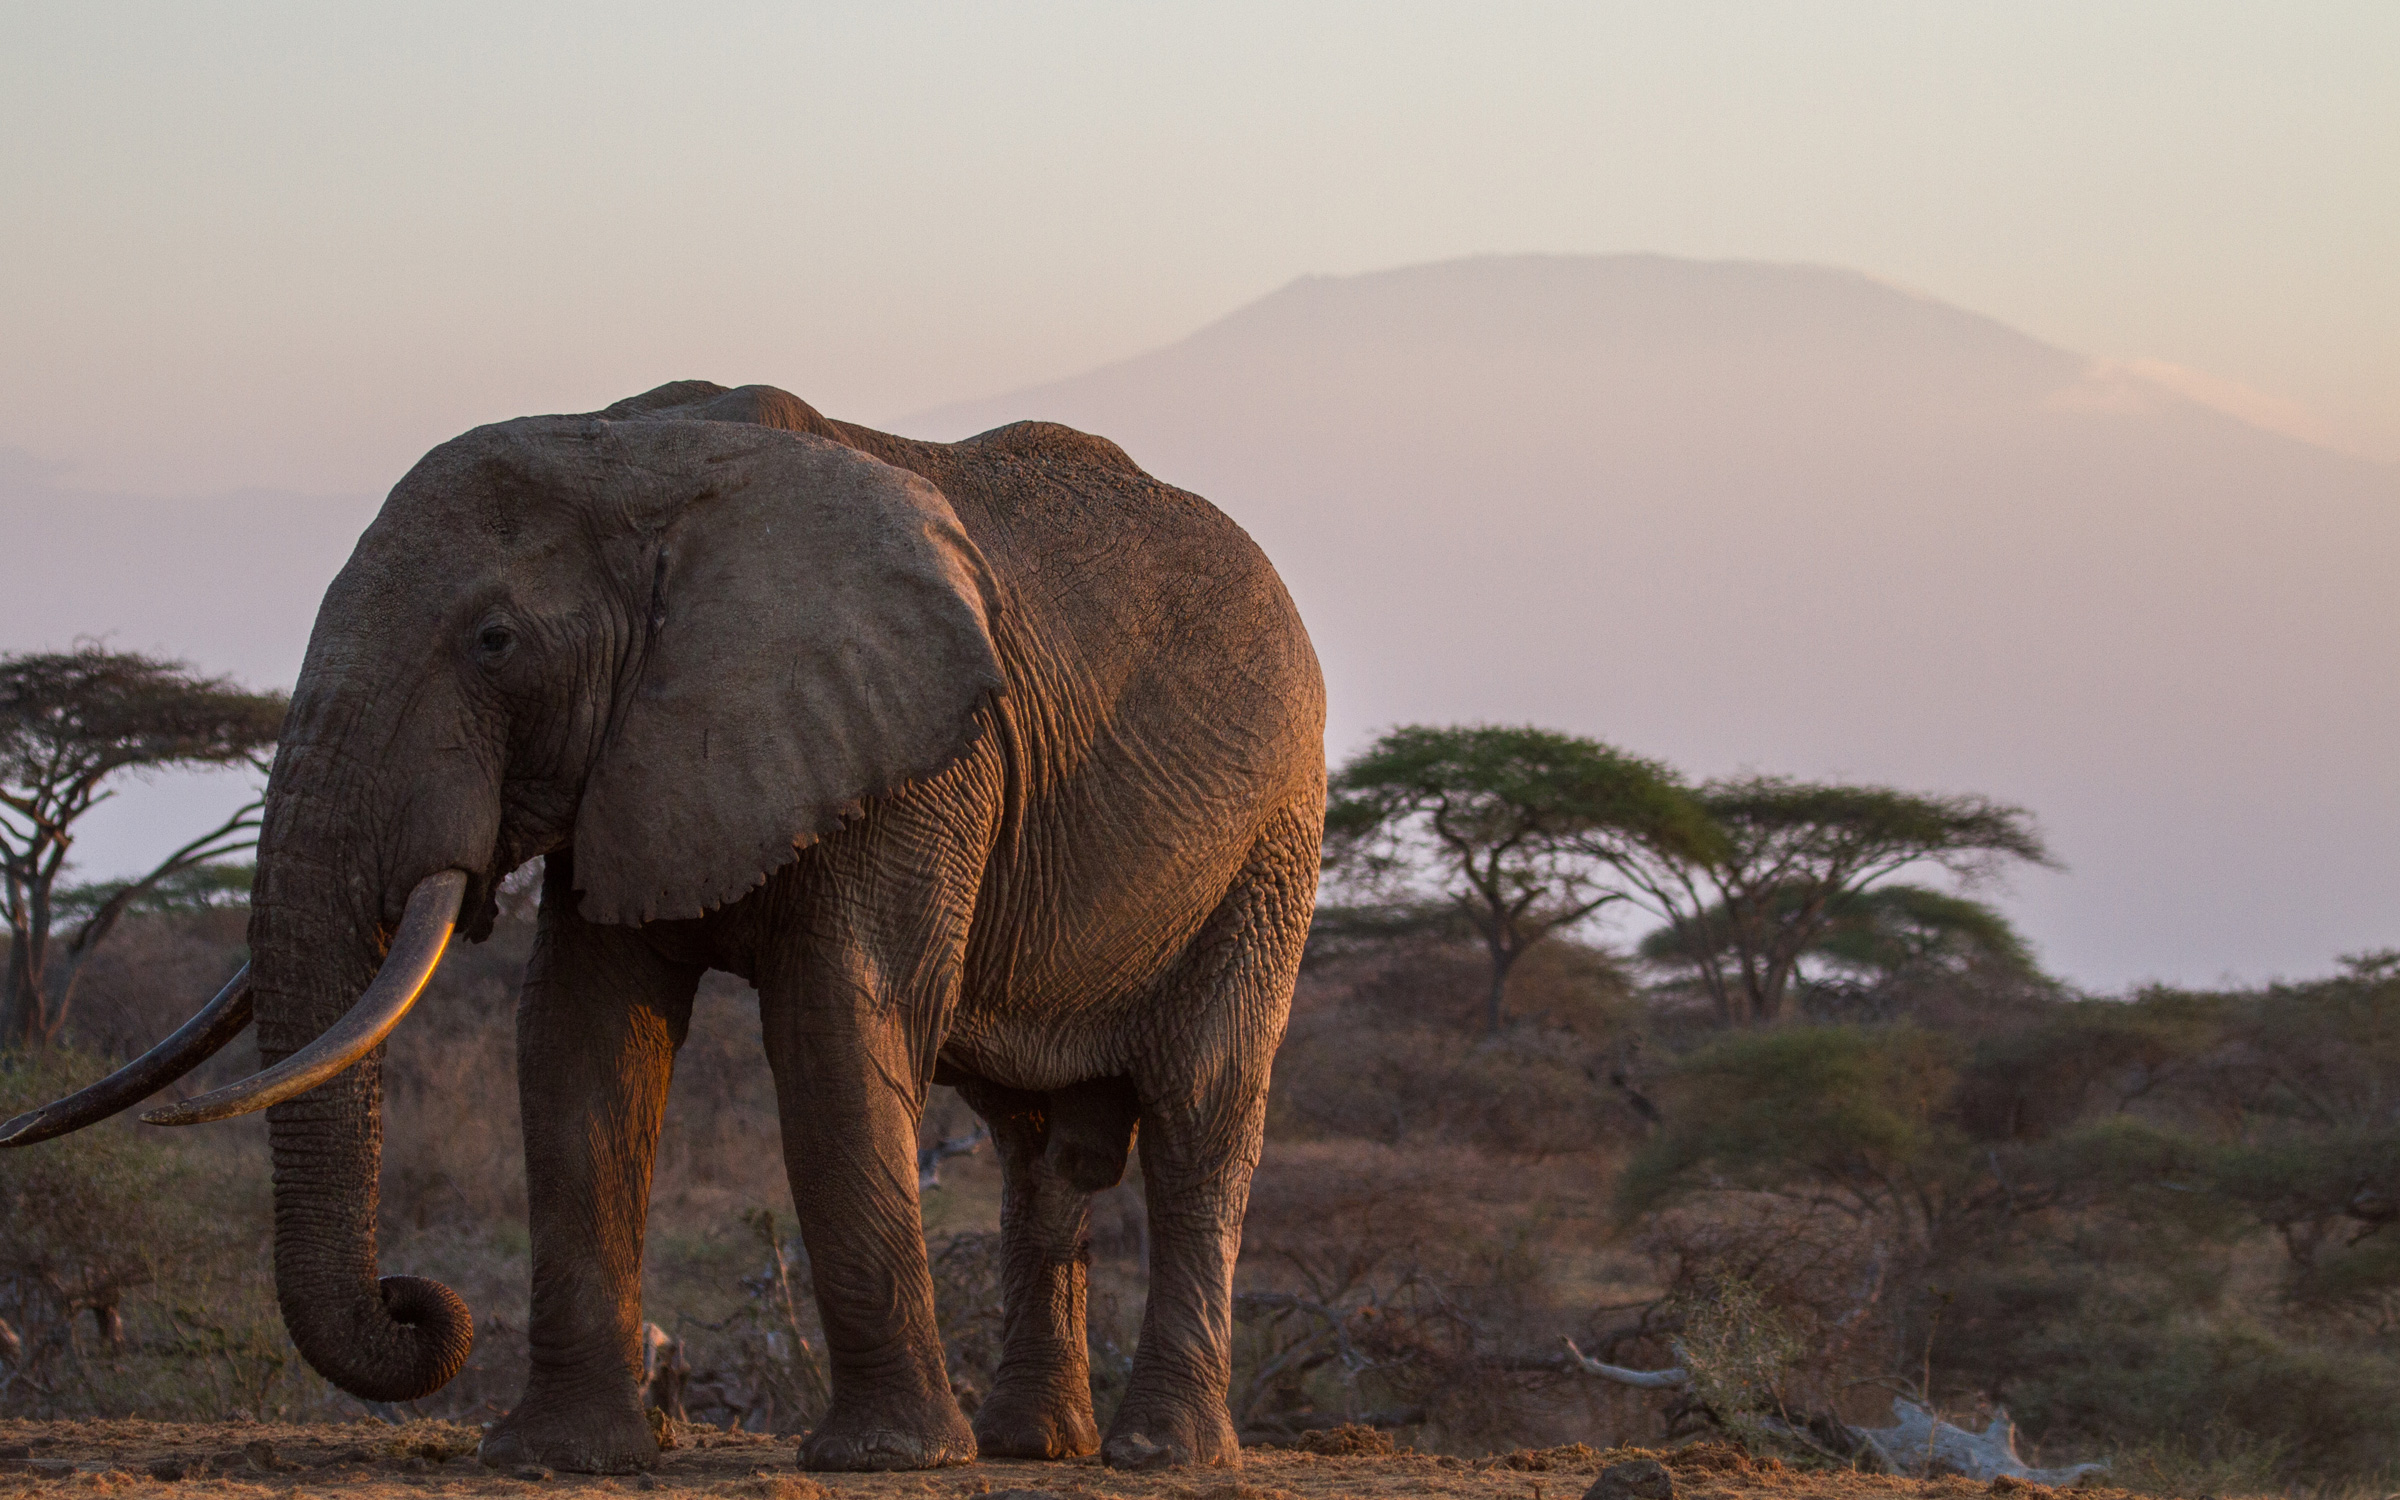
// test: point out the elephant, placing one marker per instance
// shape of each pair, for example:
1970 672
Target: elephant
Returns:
997 764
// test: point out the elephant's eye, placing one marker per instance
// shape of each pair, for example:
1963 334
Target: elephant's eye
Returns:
495 640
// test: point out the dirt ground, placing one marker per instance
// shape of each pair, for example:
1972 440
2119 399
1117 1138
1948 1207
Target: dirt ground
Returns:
368 1461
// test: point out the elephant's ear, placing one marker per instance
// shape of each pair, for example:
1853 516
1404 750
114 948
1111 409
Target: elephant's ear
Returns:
817 632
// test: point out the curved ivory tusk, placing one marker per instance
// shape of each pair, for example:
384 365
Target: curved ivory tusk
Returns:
187 1047
416 950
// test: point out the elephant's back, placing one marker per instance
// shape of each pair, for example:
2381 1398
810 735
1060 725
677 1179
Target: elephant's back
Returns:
1145 606
1044 445
1179 622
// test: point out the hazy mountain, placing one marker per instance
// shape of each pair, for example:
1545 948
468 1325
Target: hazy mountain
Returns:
1789 518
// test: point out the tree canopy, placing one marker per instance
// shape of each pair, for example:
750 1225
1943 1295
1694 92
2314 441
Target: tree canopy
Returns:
71 723
1503 822
1786 858
1854 1118
1879 954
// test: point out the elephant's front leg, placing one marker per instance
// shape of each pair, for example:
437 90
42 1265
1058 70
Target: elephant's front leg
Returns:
598 1023
848 1087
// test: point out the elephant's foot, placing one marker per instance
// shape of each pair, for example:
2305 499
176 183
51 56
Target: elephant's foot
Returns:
1031 1419
876 1434
1166 1435
610 1437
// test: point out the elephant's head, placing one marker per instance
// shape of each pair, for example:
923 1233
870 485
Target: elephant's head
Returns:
684 648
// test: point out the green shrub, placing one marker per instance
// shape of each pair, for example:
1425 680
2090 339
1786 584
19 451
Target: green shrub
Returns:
2222 1392
135 1266
1742 1350
89 1216
1855 1111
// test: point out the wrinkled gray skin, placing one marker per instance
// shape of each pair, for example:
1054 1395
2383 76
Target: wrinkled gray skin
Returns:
996 763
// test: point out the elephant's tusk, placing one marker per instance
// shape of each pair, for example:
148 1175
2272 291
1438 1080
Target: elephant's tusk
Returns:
416 950
187 1047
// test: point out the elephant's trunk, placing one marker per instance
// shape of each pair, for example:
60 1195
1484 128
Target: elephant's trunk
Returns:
313 952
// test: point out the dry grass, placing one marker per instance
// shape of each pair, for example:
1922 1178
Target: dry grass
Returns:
1433 1213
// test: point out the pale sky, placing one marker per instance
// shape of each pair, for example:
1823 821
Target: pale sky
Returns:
296 245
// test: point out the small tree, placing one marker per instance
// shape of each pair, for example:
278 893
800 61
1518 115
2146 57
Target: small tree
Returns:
1788 856
1880 953
1505 823
71 723
1857 1119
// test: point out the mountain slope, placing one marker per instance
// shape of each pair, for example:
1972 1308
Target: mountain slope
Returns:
1789 518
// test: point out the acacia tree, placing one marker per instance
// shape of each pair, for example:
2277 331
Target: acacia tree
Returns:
71 723
1883 952
1503 822
1788 857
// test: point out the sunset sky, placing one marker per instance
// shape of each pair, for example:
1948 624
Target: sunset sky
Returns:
295 245
253 248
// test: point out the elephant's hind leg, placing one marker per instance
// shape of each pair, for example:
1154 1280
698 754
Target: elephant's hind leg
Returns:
598 1022
1203 1084
1054 1150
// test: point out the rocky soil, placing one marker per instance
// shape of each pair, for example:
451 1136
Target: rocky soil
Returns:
368 1461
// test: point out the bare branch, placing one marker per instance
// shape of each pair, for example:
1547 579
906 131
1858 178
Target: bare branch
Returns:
1674 1378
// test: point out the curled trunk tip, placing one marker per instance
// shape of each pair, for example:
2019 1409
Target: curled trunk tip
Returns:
416 1335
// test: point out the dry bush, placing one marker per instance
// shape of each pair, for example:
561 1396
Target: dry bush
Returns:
91 1217
152 973
1818 1281
91 1228
453 1152
1387 1045
721 1146
2184 1466
1344 1313
1745 1355
966 1308
1428 1219
760 1367
134 1265
232 1346
1430 980
1524 1093
1408 1287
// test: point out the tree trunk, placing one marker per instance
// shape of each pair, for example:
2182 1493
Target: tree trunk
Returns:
1712 978
1503 960
41 984
16 1026
24 1021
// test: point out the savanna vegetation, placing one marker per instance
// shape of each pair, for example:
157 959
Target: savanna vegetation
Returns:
72 724
1820 1134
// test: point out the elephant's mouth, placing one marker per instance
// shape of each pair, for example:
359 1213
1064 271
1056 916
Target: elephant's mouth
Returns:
424 933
